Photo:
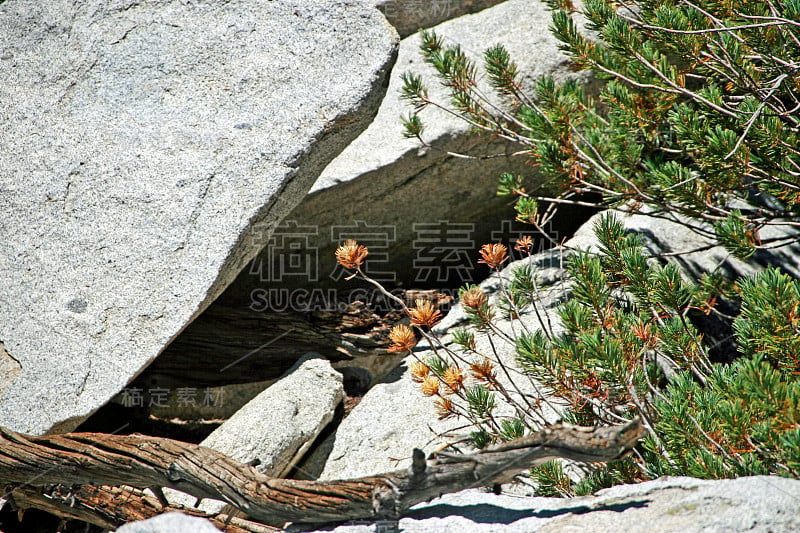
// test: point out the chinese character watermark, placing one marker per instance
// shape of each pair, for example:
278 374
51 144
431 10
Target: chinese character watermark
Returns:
443 251
290 253
162 397
376 239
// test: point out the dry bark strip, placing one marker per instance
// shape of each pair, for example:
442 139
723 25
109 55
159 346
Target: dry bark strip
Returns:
110 507
141 461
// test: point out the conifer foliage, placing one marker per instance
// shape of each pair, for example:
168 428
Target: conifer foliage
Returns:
698 111
696 119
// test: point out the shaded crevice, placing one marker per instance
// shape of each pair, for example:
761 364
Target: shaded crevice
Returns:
228 345
311 464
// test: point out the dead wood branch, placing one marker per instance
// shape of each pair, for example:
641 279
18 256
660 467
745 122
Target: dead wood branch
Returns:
142 461
110 507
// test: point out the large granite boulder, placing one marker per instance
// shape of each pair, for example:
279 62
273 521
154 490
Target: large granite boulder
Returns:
147 150
411 205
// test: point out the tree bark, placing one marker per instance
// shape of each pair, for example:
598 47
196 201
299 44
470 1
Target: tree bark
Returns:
141 461
110 507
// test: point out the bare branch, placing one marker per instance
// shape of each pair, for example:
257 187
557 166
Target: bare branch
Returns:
142 461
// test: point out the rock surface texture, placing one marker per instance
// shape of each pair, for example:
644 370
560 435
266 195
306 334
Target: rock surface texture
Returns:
169 523
385 190
277 426
148 147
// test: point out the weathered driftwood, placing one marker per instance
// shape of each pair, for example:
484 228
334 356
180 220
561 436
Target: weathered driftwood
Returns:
109 507
142 461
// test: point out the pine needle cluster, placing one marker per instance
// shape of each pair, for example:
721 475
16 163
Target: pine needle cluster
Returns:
698 113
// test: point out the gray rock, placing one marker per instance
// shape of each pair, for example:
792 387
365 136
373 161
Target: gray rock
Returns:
757 504
170 523
380 433
407 16
278 426
148 148
311 466
9 368
694 252
382 184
